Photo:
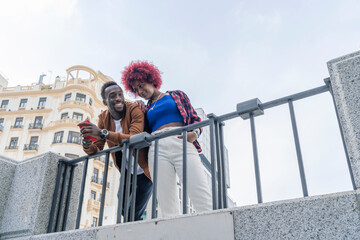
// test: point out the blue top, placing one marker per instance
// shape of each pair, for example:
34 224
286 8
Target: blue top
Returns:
163 111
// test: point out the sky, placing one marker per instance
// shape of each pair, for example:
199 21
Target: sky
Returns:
220 53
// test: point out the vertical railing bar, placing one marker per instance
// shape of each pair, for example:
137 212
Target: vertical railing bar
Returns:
218 164
134 186
298 149
68 197
155 173
55 195
213 164
122 182
256 159
184 183
103 190
343 139
222 151
81 198
58 219
128 186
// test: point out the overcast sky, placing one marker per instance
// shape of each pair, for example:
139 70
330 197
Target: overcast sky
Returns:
220 53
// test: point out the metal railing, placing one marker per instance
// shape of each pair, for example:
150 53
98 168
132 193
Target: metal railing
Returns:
11 147
99 181
246 110
17 126
31 146
35 126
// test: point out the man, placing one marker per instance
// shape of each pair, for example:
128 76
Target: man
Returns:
120 121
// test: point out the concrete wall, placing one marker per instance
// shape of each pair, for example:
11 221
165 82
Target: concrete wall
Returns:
27 189
7 171
345 81
335 216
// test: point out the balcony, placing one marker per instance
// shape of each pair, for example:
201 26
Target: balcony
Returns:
76 141
93 205
32 146
35 126
77 104
99 181
17 126
40 107
61 123
11 147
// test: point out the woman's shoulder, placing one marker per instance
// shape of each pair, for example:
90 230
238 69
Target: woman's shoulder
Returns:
176 92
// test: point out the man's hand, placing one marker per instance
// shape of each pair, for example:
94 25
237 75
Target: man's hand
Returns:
86 143
191 137
89 129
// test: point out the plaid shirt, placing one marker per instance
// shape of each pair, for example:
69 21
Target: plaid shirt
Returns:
186 110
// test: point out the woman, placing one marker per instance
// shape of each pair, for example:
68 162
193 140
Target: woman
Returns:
166 111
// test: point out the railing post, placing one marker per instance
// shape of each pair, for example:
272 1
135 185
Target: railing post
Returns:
68 197
122 181
82 188
155 178
223 167
256 159
62 194
298 149
103 191
213 162
128 186
55 196
219 165
184 183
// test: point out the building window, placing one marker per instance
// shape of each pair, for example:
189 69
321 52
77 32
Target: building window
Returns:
77 116
74 137
37 123
95 174
18 123
1 124
67 97
93 195
80 97
33 144
58 137
23 102
70 155
64 115
4 103
42 102
13 143
90 102
94 222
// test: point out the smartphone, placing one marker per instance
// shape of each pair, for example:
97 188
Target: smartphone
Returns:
88 137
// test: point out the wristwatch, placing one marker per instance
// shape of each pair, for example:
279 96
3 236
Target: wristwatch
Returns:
104 134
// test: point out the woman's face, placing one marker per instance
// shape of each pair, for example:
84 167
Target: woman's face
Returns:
144 89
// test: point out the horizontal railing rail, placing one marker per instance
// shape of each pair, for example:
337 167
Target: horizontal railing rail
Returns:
130 148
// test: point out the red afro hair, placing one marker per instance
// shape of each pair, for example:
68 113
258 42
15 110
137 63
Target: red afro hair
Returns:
141 71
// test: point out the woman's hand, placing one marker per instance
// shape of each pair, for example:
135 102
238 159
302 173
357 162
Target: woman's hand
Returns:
141 105
190 137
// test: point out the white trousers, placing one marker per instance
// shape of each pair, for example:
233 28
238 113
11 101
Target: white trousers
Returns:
170 163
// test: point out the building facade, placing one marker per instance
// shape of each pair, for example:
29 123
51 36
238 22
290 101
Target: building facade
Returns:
40 118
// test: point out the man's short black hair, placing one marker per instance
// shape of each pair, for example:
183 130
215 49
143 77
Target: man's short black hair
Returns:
106 85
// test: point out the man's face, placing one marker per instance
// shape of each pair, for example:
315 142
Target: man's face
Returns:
114 100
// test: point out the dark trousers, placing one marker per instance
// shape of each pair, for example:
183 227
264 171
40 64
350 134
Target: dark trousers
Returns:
143 192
